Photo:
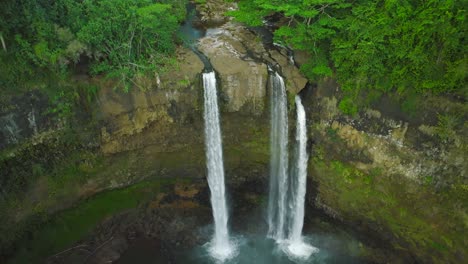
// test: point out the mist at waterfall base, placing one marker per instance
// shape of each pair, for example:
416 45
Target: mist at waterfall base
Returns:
248 233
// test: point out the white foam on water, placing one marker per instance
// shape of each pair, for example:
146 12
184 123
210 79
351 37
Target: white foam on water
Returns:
299 250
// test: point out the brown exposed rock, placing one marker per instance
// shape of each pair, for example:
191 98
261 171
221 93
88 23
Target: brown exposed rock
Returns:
295 81
241 61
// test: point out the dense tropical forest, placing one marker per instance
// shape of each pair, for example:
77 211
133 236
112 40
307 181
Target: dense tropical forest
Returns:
405 47
119 38
372 47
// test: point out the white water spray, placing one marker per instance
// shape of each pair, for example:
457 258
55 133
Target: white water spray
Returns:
221 247
279 160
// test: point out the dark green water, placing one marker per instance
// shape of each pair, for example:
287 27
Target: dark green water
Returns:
73 224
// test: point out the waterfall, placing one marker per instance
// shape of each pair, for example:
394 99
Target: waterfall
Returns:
296 245
32 121
301 177
279 159
220 246
287 194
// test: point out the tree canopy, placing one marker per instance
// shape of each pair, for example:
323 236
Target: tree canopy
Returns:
372 47
119 37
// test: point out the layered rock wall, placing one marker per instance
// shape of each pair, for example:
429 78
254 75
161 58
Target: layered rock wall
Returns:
390 175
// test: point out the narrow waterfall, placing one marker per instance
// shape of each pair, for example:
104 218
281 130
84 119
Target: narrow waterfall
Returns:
277 209
296 245
220 246
32 120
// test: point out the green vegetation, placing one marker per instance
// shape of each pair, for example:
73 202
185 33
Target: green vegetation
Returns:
58 155
397 206
405 47
38 180
120 38
423 216
347 106
60 183
447 126
73 224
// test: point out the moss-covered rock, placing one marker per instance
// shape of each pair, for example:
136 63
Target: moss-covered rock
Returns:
212 12
372 172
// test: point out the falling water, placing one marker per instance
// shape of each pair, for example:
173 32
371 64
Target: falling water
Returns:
32 121
279 159
220 247
296 245
9 128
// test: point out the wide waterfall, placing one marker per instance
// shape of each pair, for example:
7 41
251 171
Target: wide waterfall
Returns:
277 209
220 247
296 246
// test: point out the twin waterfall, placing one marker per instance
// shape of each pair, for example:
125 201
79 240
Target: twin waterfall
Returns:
296 246
287 194
287 190
220 247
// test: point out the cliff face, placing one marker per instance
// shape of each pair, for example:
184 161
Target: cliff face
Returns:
397 174
168 115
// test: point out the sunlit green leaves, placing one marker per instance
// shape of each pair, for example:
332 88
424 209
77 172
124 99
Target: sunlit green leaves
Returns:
127 36
401 46
412 44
